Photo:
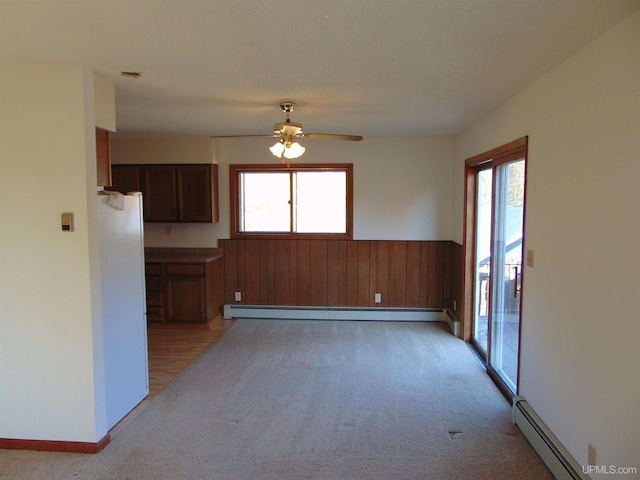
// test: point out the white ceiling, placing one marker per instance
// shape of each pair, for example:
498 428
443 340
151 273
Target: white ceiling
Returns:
368 67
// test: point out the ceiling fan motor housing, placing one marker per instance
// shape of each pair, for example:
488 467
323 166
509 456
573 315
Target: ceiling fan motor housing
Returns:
287 128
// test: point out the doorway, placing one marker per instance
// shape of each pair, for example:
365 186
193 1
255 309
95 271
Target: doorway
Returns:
494 238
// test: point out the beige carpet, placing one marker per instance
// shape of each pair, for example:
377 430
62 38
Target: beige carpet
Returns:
280 400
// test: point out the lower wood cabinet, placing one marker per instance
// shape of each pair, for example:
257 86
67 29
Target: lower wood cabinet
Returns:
184 289
186 293
155 295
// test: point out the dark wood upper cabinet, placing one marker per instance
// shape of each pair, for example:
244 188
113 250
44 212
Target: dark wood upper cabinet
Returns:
195 196
173 193
126 178
160 193
103 157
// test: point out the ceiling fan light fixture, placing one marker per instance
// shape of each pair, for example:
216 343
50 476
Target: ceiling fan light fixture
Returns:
294 150
277 149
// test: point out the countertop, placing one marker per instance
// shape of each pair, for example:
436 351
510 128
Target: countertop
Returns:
181 255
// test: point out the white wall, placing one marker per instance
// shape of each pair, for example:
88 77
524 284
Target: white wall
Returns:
401 185
104 99
580 335
48 299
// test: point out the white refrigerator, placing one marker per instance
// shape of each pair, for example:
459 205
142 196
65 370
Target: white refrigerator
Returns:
123 303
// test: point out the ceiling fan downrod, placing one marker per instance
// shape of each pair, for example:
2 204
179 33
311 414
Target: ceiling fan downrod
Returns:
287 108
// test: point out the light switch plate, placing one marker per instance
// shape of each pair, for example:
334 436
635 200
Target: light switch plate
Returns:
529 258
591 455
66 219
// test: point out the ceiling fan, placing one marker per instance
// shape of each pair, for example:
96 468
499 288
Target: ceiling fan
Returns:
289 131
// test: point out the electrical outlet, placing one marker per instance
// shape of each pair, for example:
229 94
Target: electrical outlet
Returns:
377 297
238 297
455 305
591 457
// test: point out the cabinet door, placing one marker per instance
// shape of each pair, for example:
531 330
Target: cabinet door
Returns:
155 294
126 178
160 203
194 193
103 157
185 294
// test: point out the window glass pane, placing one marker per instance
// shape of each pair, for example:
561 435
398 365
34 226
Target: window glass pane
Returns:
264 202
483 256
321 199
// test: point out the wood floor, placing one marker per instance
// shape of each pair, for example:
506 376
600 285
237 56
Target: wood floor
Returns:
171 349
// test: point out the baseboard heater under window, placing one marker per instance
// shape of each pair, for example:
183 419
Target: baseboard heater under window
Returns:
343 313
559 461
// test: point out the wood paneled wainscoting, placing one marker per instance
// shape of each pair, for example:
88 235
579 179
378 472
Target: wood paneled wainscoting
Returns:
343 273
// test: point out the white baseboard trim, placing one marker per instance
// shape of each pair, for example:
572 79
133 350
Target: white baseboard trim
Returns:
381 314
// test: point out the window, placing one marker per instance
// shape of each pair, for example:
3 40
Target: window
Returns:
302 201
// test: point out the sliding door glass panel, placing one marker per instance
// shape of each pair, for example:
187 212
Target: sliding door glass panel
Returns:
482 257
506 268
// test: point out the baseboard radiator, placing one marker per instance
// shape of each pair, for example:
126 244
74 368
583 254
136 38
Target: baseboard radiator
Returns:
343 313
559 461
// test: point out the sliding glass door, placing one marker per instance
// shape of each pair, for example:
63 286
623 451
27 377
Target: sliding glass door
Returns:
496 185
506 260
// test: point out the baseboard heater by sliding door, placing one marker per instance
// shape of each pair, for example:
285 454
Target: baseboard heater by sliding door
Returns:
562 465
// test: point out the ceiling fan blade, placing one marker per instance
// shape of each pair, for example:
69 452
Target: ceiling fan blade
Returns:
289 130
267 135
331 136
